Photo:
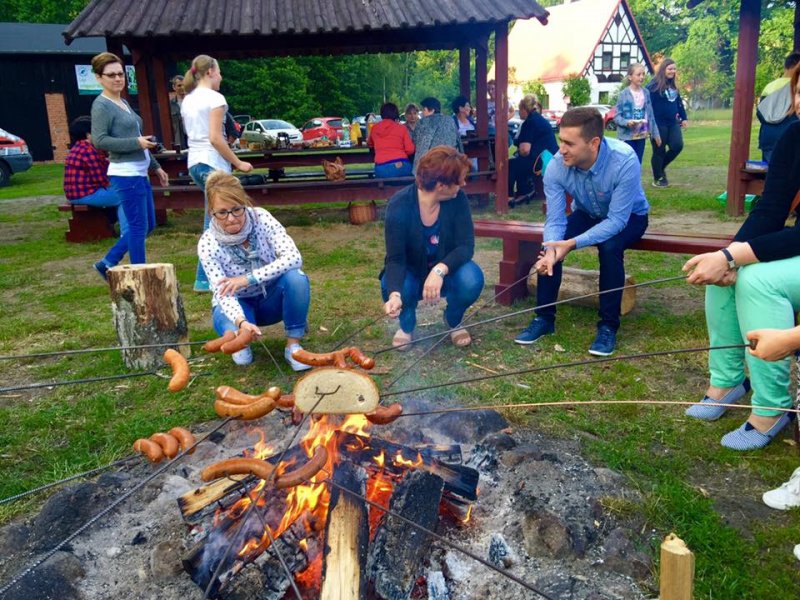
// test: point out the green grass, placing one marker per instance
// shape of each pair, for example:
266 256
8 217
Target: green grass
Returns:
688 484
39 180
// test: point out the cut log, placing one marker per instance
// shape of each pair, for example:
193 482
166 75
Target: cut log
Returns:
398 549
579 282
192 503
346 538
677 569
147 309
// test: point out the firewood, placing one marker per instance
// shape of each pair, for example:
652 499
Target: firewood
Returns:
677 569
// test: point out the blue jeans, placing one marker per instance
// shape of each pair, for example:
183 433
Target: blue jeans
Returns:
106 198
612 267
199 173
461 288
395 168
137 202
287 300
638 147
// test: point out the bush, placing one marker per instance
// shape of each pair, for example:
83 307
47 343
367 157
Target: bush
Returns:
578 90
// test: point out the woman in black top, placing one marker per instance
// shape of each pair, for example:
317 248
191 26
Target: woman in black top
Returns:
754 284
670 117
535 137
430 241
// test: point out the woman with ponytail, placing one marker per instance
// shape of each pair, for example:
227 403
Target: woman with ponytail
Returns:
203 112
254 269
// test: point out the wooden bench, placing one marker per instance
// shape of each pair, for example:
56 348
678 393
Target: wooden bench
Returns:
86 223
522 242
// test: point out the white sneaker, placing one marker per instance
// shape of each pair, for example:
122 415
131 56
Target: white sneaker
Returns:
785 497
243 357
296 365
797 551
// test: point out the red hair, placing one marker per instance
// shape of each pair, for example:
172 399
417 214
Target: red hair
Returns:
442 164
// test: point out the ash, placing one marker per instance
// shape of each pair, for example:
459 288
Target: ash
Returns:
539 515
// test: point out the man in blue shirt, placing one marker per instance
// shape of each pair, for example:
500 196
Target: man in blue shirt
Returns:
609 210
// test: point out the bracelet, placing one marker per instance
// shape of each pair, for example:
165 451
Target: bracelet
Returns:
251 279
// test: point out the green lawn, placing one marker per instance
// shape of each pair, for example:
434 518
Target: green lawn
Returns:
689 484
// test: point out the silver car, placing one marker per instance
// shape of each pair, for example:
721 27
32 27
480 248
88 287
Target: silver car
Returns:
260 130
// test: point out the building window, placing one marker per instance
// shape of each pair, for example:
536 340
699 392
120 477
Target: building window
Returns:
607 56
624 60
602 98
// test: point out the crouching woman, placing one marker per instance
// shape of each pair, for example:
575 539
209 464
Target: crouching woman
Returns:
254 269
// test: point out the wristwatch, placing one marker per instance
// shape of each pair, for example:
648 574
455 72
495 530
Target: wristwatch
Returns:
438 270
729 258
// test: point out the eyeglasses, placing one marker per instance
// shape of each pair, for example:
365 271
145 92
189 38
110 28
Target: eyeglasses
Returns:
221 215
116 75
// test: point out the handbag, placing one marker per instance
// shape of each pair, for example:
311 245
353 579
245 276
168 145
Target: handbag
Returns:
541 162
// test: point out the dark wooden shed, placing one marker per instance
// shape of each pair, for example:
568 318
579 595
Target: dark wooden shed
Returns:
161 32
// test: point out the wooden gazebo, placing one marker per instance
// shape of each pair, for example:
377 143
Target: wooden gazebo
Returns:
161 32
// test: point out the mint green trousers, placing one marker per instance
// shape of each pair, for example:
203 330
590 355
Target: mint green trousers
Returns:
765 296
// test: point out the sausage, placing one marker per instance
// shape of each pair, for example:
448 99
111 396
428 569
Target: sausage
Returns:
168 443
254 410
238 466
150 449
383 415
304 473
240 342
184 437
339 359
313 359
215 345
180 370
365 362
273 392
286 401
234 396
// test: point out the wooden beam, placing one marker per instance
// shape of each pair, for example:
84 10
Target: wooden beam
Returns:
481 101
463 71
162 102
140 63
797 27
501 107
743 98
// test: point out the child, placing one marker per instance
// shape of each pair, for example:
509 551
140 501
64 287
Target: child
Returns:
634 118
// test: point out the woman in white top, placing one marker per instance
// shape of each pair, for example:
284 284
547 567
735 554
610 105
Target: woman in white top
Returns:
203 111
254 268
118 130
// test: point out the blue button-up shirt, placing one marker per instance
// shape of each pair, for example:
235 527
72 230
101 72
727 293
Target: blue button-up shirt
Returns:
611 190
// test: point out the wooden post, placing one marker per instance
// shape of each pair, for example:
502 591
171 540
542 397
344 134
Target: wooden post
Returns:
162 102
147 309
463 71
743 98
501 108
140 63
677 569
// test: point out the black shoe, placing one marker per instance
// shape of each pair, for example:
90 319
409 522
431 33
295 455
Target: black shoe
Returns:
661 183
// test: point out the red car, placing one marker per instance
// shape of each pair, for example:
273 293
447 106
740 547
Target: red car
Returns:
330 127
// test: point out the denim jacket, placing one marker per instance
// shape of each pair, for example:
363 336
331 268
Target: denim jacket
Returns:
625 108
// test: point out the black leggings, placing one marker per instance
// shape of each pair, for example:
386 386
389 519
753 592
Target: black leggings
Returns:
672 138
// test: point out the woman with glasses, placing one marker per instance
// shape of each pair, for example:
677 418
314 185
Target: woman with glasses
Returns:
254 269
118 130
203 111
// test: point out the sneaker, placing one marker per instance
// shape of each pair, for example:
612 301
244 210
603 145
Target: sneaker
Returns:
787 496
538 328
661 183
201 286
296 365
243 357
797 551
604 343
102 269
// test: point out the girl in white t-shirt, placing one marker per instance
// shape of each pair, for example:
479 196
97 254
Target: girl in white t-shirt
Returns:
203 111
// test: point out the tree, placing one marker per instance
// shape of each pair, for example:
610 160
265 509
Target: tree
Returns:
577 89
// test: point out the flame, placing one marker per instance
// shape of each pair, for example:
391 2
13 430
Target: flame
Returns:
400 461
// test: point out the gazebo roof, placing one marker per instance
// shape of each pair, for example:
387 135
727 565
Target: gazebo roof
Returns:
266 26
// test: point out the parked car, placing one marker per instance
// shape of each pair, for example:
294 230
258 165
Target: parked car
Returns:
242 119
514 123
553 116
362 123
14 156
607 112
330 127
258 131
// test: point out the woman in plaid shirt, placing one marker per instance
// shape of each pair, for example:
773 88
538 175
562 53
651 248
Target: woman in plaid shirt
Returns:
85 179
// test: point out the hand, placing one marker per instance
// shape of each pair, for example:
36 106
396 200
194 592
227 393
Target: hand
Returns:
547 258
771 344
246 325
163 178
729 278
432 288
145 143
228 286
393 306
658 141
706 269
244 167
684 124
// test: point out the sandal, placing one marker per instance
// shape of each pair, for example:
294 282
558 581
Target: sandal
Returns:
402 340
460 338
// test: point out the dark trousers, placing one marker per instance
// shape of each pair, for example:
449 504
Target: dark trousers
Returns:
612 267
520 174
671 146
638 147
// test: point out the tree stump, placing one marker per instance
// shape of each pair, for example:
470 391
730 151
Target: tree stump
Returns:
677 569
147 309
579 282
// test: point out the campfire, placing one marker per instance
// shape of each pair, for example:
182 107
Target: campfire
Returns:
331 536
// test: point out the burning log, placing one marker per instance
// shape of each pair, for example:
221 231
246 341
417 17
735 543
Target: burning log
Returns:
374 454
346 538
398 549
